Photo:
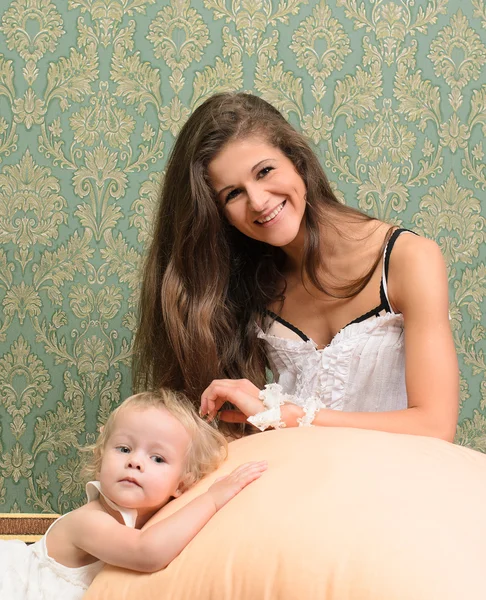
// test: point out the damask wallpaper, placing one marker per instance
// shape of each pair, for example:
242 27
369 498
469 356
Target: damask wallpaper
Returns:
92 92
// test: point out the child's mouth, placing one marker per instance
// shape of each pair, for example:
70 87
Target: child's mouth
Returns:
130 481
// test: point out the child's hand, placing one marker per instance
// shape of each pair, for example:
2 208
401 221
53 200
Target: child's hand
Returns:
226 488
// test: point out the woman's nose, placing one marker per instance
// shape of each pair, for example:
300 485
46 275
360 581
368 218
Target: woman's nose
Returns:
257 199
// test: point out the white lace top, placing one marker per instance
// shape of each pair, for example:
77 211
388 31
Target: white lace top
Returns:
362 369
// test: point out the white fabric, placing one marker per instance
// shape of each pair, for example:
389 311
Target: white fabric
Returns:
362 369
28 572
129 515
273 398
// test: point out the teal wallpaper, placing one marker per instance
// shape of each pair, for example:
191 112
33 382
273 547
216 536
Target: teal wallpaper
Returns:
392 94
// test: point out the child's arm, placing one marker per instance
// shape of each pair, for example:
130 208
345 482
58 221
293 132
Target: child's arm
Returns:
98 534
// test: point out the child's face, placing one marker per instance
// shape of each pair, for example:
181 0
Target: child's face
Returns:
144 458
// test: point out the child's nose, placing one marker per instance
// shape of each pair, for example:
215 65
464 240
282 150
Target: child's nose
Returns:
134 462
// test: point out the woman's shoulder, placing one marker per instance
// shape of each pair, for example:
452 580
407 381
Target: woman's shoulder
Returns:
412 251
417 268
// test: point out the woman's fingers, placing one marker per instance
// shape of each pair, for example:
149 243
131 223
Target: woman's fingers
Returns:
239 392
210 395
213 398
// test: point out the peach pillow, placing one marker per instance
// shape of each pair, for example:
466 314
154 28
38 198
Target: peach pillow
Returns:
341 514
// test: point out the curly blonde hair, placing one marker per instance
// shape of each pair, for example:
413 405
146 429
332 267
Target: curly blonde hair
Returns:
208 447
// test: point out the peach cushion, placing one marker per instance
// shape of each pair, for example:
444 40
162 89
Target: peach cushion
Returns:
341 514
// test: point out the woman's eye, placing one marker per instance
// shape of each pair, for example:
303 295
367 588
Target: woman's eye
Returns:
232 194
264 171
158 459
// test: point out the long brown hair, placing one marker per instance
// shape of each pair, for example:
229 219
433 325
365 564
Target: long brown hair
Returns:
205 284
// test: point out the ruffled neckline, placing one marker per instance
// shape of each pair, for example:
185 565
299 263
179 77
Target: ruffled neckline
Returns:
129 515
351 330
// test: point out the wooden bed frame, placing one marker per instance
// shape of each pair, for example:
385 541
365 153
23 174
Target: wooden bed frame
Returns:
23 526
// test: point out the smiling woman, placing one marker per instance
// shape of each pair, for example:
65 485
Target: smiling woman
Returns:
254 263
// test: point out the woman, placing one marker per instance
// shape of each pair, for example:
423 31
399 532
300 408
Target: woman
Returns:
250 250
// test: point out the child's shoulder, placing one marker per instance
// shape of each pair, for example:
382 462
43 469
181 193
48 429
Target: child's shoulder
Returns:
89 512
62 539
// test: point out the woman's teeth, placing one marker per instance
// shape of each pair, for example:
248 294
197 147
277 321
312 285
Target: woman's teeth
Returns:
272 215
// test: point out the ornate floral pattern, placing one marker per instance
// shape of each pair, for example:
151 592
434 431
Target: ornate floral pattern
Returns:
451 215
458 42
29 110
386 134
304 43
24 381
49 23
392 94
179 35
31 209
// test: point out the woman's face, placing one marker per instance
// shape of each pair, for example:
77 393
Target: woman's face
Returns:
260 190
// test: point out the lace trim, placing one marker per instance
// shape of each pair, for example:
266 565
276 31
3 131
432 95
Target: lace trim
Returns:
273 399
352 331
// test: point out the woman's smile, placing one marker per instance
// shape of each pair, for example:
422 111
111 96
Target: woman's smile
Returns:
270 218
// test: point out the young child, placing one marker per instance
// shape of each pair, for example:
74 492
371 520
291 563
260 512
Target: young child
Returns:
152 448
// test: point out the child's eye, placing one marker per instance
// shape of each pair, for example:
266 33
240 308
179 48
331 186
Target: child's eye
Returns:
158 459
123 449
232 194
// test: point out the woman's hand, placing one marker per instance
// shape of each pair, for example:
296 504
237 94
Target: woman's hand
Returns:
239 392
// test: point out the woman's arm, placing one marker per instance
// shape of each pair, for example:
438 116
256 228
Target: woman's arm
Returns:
418 289
101 536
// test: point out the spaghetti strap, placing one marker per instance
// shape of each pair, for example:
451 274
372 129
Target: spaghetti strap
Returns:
386 263
285 323
53 523
384 306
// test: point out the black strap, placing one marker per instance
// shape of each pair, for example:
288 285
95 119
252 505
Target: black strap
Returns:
384 305
374 312
389 247
293 328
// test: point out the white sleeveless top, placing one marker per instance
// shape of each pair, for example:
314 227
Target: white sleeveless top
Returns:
29 573
363 367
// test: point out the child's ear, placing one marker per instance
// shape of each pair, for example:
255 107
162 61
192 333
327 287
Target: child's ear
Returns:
184 484
181 488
